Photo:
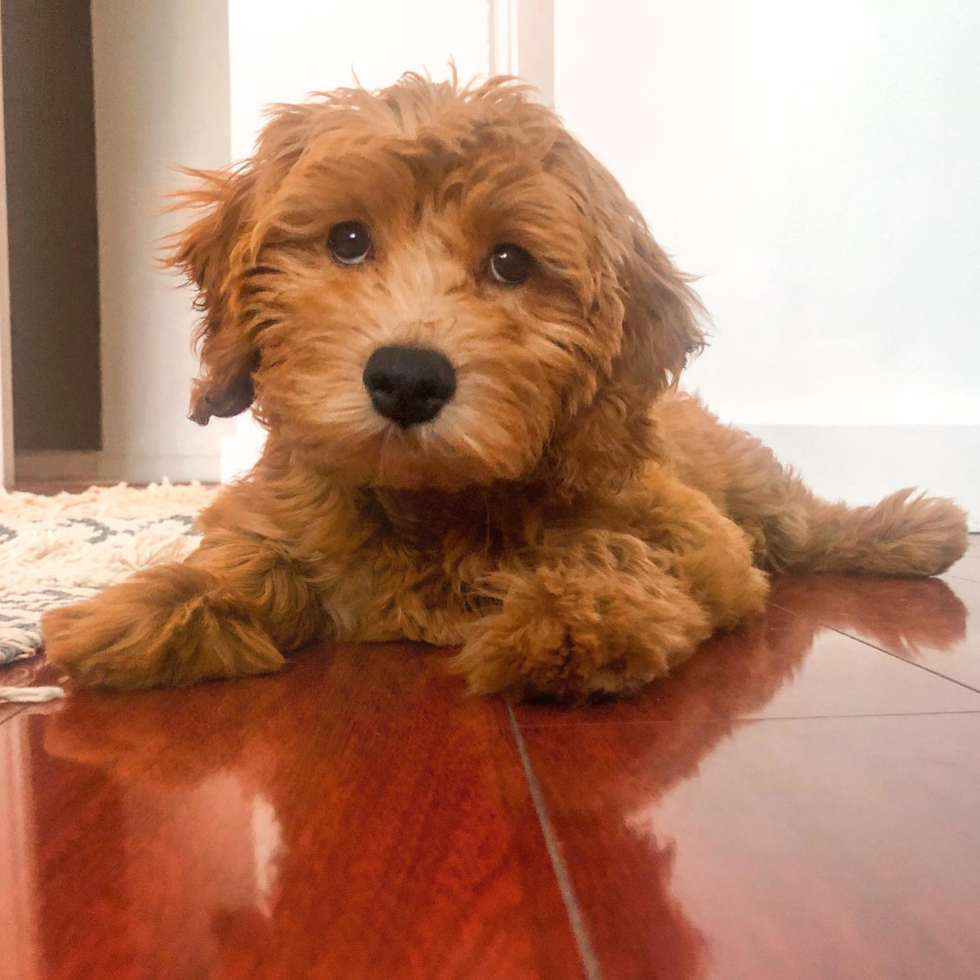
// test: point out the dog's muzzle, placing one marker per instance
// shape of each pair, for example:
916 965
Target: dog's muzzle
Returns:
409 385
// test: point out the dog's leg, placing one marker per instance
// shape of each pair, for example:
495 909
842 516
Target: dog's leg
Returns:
233 608
595 611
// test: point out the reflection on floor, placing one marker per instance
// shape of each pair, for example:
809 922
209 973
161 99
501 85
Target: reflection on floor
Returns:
799 801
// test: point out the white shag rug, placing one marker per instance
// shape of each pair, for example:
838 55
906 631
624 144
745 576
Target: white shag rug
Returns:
56 550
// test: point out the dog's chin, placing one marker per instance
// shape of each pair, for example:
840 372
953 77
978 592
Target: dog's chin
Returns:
422 458
409 463
422 478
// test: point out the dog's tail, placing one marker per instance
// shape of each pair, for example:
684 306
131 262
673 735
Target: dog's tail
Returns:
904 534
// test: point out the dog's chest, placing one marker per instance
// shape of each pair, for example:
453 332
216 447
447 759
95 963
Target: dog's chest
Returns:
392 590
397 565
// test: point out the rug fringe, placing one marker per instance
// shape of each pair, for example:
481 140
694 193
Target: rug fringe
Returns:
31 694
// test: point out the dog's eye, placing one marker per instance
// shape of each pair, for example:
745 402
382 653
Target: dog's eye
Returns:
510 264
349 242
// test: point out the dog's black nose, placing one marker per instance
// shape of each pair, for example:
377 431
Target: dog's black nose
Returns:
409 385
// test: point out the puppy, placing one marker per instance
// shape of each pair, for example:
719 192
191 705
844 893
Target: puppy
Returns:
464 344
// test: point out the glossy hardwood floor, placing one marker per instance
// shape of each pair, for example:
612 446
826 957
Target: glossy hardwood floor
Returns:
801 800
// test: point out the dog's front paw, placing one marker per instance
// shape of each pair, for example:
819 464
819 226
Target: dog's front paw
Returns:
568 636
98 644
166 626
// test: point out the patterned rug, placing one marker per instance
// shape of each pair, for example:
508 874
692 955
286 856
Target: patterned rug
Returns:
56 550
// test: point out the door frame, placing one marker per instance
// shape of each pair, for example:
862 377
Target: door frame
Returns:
6 371
522 42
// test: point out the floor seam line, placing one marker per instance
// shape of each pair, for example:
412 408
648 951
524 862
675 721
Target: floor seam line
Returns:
874 646
11 717
587 954
754 719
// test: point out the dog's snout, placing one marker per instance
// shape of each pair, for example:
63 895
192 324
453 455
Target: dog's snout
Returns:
409 385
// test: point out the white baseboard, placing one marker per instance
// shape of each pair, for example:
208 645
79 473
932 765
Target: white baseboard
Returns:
100 467
863 463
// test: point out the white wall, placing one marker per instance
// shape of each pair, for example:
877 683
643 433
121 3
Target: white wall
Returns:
282 51
815 165
161 99
818 166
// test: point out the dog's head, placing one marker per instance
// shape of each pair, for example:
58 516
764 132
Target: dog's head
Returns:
434 286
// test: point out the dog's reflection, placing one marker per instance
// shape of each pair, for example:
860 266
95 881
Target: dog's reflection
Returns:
733 678
207 782
902 615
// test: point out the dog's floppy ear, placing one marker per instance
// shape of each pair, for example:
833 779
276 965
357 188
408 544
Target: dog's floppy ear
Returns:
214 247
648 312
203 252
661 327
637 285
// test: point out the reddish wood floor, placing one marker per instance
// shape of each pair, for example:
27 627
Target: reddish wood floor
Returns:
801 800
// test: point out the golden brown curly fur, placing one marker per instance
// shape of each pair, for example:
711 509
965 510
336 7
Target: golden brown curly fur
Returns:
568 517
